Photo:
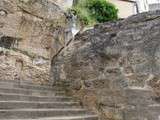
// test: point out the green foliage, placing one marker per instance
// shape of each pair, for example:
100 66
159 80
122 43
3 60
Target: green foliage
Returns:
102 11
90 12
82 15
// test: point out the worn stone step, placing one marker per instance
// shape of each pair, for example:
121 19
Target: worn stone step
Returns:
27 82
155 110
140 96
154 106
9 97
82 117
31 92
36 87
27 104
142 113
37 113
21 100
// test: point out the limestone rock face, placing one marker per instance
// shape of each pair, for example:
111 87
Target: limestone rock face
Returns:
115 68
33 31
30 24
17 66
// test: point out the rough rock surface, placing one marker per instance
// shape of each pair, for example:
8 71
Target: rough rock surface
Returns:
115 67
32 29
29 25
63 4
17 66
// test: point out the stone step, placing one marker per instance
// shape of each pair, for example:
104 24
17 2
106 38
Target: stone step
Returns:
139 95
82 117
142 113
9 97
36 87
27 104
149 112
27 82
31 92
38 113
154 106
27 101
155 110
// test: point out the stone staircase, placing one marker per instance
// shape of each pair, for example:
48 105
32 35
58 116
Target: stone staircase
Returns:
143 105
27 101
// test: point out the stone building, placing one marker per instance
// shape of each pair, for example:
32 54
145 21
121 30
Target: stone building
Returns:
126 7
131 7
148 5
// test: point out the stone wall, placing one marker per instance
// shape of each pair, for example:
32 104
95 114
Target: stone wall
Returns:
114 68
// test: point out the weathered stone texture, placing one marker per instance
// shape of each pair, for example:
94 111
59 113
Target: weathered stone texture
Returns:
17 66
115 68
32 23
33 30
64 4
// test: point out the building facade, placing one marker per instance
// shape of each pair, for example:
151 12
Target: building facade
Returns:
148 5
130 7
126 7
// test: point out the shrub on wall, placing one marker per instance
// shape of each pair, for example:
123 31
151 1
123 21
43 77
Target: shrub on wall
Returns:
102 11
90 12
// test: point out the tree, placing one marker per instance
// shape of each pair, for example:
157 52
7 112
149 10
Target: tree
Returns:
90 12
102 11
